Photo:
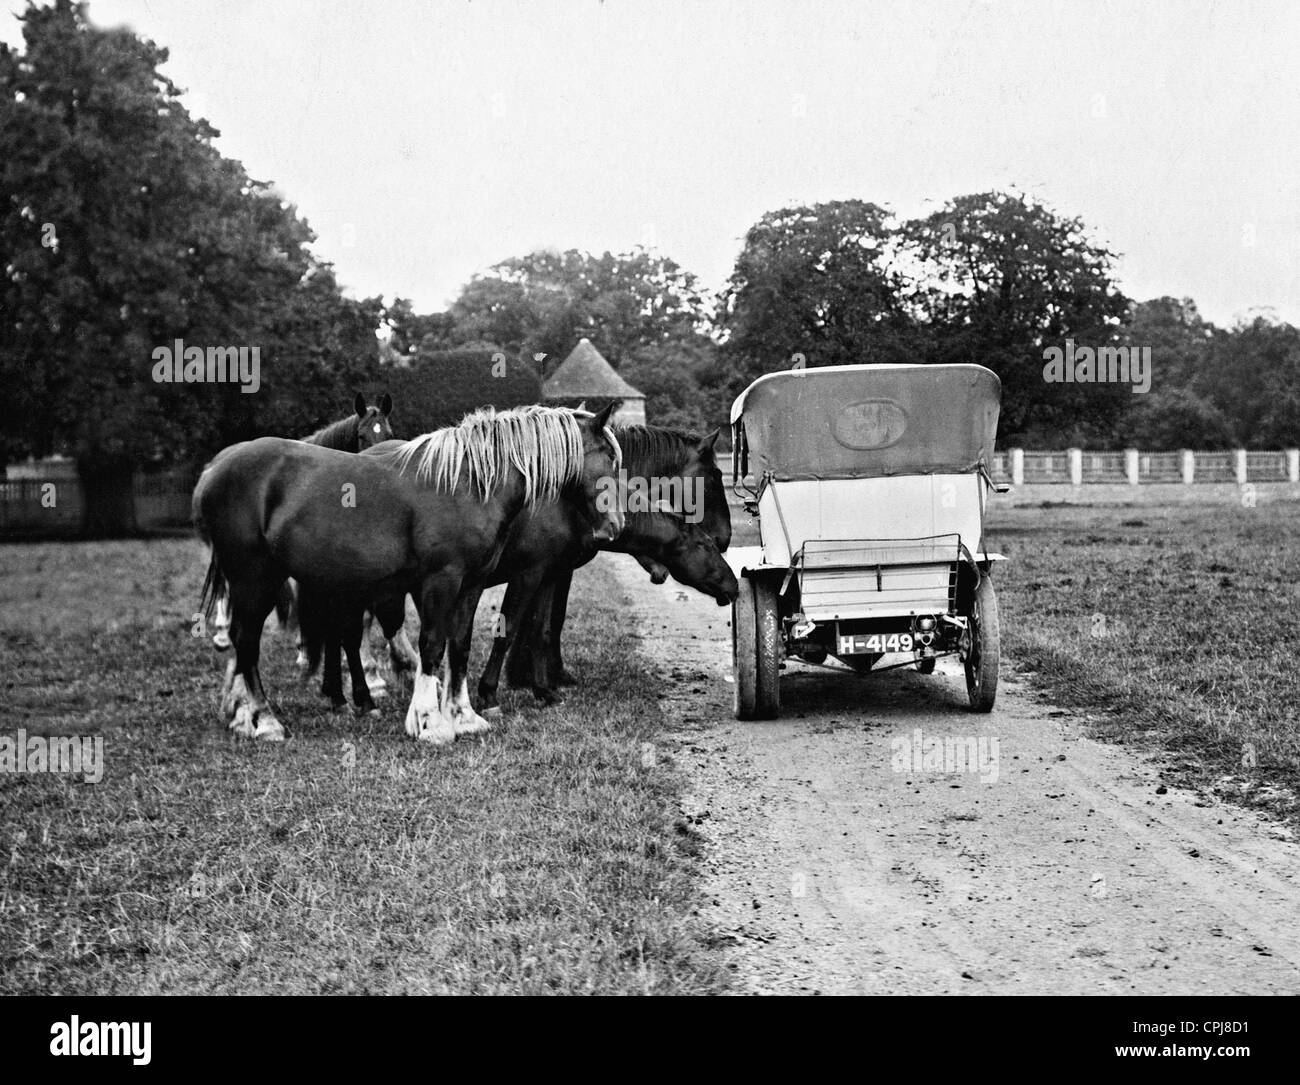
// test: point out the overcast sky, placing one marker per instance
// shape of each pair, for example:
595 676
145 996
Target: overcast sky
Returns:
425 141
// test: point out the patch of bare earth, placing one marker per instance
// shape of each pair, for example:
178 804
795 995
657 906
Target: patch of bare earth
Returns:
827 871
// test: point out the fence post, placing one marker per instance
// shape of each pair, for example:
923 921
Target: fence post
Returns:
1241 466
1131 466
1076 466
1017 467
1293 464
1189 467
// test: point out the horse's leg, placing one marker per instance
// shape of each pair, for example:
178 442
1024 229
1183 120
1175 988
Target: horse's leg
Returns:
559 611
543 687
520 593
519 663
401 654
352 628
221 624
291 622
244 700
426 719
391 614
332 678
374 680
463 716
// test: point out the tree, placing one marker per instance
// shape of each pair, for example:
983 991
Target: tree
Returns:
1251 374
999 278
124 231
679 379
1177 418
543 303
818 283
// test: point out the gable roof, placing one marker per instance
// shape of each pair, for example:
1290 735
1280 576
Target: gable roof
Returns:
585 373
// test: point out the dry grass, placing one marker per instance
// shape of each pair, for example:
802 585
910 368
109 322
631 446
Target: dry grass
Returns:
1182 624
545 858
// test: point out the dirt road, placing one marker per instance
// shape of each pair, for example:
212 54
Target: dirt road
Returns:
841 860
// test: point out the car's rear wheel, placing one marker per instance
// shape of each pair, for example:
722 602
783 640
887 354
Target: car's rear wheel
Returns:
756 651
983 653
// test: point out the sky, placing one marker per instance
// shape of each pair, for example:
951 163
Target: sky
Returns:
426 141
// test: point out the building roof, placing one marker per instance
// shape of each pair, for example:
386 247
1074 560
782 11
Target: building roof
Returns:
585 373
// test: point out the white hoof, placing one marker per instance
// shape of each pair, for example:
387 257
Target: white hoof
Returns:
472 724
437 737
377 686
242 724
221 640
301 661
268 729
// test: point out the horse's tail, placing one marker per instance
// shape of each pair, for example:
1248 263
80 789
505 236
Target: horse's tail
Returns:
312 611
214 587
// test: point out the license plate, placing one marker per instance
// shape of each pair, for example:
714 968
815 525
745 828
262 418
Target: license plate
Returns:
875 644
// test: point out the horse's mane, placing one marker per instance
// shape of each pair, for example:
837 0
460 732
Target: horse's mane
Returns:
655 450
341 434
544 444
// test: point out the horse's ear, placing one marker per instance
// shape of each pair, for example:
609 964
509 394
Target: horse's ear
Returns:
386 406
602 416
359 405
705 447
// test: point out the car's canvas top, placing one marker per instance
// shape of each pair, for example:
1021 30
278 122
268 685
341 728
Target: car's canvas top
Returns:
867 421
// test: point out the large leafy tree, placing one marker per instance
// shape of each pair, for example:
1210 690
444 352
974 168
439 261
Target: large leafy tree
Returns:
998 278
1252 375
123 229
543 303
819 285
1174 413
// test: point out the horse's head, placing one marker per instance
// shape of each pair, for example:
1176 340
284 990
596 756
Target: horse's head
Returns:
601 461
716 515
688 552
372 422
668 464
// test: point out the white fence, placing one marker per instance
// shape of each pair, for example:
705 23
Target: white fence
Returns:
1079 467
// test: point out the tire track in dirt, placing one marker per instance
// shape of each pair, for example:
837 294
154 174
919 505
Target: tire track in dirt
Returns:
827 871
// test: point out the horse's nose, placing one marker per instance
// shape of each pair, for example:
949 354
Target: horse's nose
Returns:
611 526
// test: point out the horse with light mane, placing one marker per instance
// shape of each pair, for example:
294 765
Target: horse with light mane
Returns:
430 518
649 452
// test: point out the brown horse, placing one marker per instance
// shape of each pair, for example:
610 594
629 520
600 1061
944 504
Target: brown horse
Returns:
686 542
552 539
648 452
430 518
365 427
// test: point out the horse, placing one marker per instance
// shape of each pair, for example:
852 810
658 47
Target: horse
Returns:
549 542
365 427
649 452
430 518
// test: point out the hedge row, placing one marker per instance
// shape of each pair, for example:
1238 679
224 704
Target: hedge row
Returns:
441 387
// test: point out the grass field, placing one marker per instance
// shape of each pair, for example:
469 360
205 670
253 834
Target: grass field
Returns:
548 857
1176 623
1180 623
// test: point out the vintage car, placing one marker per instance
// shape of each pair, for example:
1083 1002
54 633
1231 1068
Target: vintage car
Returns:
869 483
